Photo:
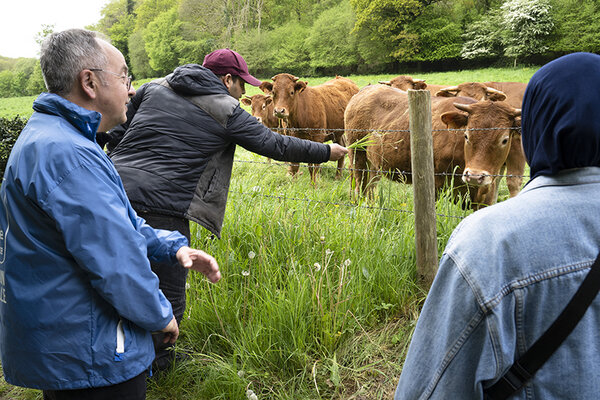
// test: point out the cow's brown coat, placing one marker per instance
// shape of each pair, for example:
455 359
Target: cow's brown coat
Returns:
319 109
380 108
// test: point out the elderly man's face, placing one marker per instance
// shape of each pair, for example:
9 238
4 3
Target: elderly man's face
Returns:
114 93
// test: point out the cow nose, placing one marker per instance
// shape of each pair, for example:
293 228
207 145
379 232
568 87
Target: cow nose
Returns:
474 177
280 112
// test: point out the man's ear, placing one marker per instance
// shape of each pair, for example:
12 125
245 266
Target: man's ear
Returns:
228 81
87 83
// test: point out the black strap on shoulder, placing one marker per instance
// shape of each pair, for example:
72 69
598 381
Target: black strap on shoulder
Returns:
525 367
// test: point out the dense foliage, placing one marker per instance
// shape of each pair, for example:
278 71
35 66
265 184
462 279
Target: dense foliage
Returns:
10 128
326 37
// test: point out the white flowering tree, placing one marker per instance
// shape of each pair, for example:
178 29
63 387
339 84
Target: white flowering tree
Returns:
528 24
518 28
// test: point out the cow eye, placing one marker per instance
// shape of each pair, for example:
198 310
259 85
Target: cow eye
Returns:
291 93
264 106
505 141
466 137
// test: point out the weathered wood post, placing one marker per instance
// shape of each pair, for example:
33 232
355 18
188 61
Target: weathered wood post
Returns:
421 144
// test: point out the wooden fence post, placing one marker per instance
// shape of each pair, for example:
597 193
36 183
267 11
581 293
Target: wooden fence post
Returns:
421 144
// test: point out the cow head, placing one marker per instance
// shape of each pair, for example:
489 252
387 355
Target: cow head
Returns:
284 89
262 109
474 90
405 82
488 130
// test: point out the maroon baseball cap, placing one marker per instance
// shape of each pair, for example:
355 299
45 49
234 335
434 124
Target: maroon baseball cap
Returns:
225 61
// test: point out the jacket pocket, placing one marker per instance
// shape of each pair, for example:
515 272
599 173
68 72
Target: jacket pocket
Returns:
120 341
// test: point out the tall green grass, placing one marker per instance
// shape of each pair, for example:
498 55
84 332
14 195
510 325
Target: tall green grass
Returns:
319 295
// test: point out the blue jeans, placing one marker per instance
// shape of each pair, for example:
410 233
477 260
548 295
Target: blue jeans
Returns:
172 280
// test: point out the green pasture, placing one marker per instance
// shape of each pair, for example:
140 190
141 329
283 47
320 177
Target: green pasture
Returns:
319 296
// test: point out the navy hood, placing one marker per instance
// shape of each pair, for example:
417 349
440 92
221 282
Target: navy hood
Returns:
560 128
195 80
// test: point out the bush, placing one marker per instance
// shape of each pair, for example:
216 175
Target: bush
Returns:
10 129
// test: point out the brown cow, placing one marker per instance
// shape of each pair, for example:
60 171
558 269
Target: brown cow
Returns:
475 90
405 82
380 108
319 109
261 107
514 91
515 162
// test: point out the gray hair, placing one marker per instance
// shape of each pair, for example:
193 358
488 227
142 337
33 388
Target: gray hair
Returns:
65 54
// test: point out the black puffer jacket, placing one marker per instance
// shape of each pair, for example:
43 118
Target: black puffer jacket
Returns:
176 153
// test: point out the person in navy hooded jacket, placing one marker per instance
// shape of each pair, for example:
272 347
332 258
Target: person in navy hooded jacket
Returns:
509 270
175 154
78 300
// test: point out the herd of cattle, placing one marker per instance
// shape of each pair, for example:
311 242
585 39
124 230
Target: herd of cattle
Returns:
476 129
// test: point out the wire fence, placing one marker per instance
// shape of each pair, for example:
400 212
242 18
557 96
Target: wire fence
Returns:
359 204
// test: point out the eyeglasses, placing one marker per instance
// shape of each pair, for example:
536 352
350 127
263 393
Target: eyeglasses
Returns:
128 78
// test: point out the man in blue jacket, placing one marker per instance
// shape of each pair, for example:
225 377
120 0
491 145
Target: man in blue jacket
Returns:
177 148
78 300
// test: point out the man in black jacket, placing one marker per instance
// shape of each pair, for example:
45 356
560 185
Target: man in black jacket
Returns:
175 154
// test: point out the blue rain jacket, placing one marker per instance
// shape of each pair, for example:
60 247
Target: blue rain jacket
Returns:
78 299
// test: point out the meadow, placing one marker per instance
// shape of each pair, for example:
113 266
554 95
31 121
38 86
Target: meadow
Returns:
319 295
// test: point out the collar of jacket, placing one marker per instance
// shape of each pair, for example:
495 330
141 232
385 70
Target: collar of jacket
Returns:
86 121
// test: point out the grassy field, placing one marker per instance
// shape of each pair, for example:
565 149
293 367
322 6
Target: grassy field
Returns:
319 295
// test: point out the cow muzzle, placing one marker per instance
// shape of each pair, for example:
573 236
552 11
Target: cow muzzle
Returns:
477 178
280 113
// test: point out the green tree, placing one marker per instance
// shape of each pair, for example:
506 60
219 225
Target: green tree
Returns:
161 37
528 24
138 58
117 22
385 20
433 35
35 84
484 37
331 42
577 26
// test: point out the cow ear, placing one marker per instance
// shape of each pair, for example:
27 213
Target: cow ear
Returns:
454 119
299 86
246 100
266 87
443 93
389 83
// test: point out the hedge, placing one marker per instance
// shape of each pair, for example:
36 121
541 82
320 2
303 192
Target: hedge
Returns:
9 132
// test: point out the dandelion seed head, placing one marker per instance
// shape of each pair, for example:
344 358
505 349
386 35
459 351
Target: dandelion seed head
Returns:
251 395
241 373
317 266
347 262
322 238
251 255
245 272
329 252
187 286
256 189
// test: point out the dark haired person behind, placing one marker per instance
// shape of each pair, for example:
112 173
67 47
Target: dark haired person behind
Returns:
78 299
175 154
509 270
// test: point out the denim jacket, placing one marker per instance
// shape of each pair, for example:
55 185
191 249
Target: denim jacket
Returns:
506 274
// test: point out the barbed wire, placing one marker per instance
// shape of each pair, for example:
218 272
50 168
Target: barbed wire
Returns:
515 128
285 164
333 203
